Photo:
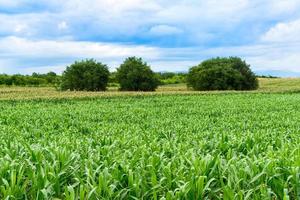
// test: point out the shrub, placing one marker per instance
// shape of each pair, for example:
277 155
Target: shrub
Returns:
5 79
222 74
86 75
171 77
51 78
136 75
32 81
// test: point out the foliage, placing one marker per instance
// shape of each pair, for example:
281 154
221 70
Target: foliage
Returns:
35 79
50 77
222 74
5 79
279 85
135 75
87 75
155 147
267 76
166 78
113 78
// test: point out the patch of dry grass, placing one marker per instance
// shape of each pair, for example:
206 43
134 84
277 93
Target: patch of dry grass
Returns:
17 93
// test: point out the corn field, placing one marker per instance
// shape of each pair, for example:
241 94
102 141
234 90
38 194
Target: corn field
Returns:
218 146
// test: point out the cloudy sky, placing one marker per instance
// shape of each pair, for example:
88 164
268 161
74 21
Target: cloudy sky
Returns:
47 35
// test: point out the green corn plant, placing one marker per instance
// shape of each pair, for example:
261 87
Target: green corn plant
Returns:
210 146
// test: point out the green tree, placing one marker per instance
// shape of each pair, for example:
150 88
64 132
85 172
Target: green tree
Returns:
171 77
135 75
222 74
18 79
51 77
87 75
5 79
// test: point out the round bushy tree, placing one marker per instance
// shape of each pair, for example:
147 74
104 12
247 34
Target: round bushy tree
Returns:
222 74
87 75
136 75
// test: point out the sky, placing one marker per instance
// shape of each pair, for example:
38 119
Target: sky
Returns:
170 35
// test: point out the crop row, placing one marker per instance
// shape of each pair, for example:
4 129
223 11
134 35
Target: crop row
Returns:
228 146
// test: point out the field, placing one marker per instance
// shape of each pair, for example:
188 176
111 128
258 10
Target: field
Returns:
172 144
280 85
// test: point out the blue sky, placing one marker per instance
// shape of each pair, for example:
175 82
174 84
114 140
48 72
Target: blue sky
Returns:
42 36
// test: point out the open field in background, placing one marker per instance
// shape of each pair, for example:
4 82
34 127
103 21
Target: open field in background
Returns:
279 84
233 146
266 85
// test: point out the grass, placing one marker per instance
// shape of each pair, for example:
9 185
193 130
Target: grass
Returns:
280 84
227 146
18 93
160 145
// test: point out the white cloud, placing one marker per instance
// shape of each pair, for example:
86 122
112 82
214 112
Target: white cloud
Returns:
20 28
25 25
63 31
214 10
283 32
62 25
130 17
42 54
9 3
10 25
284 6
202 21
55 48
25 56
162 30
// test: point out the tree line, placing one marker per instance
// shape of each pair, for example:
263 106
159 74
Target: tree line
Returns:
49 79
136 75
52 79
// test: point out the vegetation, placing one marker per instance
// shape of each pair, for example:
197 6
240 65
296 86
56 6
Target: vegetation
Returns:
222 74
167 78
155 147
266 76
280 85
49 79
135 75
86 75
171 143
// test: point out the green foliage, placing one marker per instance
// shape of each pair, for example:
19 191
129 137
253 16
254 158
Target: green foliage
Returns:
50 77
136 75
113 78
266 76
155 147
87 75
35 79
166 78
6 80
222 74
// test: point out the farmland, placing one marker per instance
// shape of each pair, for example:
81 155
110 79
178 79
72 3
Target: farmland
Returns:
172 144
280 85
